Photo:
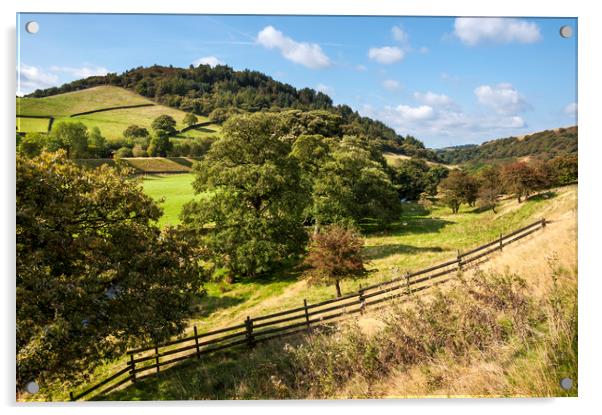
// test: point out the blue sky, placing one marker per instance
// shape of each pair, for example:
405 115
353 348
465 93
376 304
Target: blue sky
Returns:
447 81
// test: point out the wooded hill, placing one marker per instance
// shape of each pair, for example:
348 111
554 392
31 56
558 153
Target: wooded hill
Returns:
221 91
541 145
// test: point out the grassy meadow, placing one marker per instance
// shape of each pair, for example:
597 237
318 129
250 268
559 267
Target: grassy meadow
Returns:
418 239
111 123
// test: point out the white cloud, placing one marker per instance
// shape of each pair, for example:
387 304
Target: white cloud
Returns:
571 109
30 78
325 89
474 30
307 54
407 113
502 98
208 60
81 72
386 55
361 68
391 84
433 99
399 34
424 50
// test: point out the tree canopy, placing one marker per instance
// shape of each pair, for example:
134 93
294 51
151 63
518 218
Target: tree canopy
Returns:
94 273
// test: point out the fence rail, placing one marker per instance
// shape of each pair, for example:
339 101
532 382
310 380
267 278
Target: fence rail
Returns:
146 361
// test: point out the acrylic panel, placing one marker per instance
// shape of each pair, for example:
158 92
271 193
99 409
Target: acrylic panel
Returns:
226 207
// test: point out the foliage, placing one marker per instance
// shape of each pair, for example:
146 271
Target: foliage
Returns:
564 169
410 178
159 146
190 119
94 274
520 179
32 144
334 254
123 152
490 186
352 184
457 188
545 145
135 131
221 92
252 219
71 136
164 126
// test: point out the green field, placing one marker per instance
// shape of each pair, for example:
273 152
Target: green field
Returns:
172 192
32 125
111 123
418 239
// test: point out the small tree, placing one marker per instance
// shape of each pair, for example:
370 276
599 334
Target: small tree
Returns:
32 144
190 119
164 126
454 189
159 146
335 254
564 168
71 136
490 186
97 143
520 179
135 131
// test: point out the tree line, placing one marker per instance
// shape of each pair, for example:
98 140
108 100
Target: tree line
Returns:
520 179
543 145
220 91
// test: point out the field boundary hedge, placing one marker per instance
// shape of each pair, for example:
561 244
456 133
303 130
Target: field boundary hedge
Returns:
121 107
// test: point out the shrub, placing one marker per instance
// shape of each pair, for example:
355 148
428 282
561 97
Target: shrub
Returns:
123 152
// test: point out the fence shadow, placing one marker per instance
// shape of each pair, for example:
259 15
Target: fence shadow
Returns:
383 251
208 304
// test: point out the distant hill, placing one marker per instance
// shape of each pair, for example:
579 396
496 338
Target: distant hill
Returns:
541 145
110 108
219 91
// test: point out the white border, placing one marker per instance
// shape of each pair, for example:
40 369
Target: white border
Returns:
590 155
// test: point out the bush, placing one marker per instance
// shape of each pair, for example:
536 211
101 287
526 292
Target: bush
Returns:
123 152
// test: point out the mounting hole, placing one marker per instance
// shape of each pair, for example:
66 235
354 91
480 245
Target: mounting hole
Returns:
32 387
566 31
566 383
32 27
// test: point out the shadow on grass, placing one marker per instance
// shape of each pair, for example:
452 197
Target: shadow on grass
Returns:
208 304
383 251
542 196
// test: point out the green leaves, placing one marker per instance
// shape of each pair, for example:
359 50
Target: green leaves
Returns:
94 273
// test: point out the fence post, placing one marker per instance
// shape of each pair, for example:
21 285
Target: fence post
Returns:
249 327
408 282
543 222
362 300
71 398
501 241
196 341
132 368
306 313
459 260
157 357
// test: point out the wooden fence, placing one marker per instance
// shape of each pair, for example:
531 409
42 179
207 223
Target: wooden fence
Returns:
146 361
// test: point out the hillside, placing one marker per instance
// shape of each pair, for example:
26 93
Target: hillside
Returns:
419 239
110 108
220 91
541 145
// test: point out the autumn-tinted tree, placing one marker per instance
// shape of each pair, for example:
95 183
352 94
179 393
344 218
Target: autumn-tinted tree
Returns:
520 179
456 189
564 169
490 186
164 126
251 214
335 254
94 272
190 119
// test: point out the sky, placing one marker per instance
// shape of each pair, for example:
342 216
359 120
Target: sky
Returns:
447 81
